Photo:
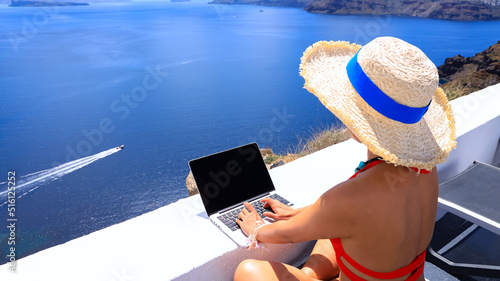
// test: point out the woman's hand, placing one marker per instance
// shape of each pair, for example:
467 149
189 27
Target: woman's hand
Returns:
281 211
249 219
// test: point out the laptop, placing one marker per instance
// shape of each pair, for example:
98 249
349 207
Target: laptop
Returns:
226 180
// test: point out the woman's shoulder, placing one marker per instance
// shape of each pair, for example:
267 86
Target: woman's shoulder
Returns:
383 182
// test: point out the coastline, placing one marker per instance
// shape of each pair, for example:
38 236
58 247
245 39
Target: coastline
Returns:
445 10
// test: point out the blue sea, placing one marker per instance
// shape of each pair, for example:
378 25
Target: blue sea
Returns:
171 82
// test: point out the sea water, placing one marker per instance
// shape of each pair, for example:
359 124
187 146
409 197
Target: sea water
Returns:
171 82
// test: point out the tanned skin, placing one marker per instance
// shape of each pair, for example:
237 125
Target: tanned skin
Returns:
385 218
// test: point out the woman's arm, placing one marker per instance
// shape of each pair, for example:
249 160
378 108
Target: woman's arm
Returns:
331 216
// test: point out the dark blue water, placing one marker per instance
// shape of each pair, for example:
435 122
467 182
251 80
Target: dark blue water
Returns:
171 82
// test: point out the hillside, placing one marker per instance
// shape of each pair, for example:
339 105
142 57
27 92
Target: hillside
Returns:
284 3
463 75
469 10
439 9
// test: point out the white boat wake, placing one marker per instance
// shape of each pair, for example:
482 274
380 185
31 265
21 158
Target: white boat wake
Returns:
30 182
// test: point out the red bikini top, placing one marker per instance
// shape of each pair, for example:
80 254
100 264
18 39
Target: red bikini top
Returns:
415 268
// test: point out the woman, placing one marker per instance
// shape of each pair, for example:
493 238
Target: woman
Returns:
378 224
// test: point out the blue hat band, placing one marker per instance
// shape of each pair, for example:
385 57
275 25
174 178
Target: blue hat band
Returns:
378 100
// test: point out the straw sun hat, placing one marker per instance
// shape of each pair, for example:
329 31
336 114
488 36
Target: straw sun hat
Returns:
387 94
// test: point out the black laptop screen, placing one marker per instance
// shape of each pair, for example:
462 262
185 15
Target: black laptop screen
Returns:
230 177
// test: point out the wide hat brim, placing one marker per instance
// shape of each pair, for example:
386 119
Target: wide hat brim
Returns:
421 145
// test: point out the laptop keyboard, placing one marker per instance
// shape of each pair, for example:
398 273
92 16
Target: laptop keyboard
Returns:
229 218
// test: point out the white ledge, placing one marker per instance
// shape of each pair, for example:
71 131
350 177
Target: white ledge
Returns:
178 241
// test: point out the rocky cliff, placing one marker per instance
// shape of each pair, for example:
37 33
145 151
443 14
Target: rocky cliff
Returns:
284 3
463 75
439 9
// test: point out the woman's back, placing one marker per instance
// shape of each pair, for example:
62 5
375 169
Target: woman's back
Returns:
396 211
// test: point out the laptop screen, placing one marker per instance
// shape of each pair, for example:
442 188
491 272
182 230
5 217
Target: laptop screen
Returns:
229 177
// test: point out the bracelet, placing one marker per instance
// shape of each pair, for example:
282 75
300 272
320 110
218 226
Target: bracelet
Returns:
252 241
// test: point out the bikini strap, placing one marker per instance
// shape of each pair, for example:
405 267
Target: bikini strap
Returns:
374 163
416 267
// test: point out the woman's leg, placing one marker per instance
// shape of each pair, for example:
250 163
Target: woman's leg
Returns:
252 270
321 265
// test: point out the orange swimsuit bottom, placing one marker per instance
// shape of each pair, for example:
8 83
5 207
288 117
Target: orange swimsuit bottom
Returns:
415 268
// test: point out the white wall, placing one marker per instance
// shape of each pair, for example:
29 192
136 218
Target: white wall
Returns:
478 130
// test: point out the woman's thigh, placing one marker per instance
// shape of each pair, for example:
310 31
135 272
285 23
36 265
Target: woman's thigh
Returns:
251 270
322 263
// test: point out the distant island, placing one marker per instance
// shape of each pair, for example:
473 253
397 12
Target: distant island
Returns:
22 3
467 10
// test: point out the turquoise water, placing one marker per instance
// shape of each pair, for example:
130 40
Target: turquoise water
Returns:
171 82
